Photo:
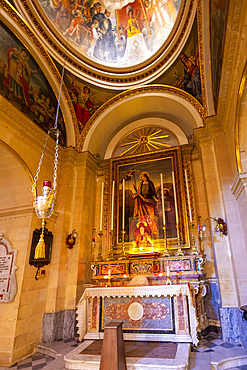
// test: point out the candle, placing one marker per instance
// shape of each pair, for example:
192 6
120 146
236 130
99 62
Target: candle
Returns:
123 204
167 271
101 206
188 194
109 273
112 203
175 197
162 199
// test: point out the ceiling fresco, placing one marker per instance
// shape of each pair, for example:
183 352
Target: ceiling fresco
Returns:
114 33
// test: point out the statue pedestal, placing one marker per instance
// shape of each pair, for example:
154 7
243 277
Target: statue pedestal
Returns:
183 269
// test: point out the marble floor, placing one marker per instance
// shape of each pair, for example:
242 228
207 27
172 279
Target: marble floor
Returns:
211 349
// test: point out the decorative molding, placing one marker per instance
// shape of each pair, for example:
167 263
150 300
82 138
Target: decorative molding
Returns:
201 52
16 212
231 58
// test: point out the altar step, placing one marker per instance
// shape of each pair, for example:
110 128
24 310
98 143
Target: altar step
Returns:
139 356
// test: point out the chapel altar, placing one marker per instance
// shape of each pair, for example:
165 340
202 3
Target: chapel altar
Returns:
147 258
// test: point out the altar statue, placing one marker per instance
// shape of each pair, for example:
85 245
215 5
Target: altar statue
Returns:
143 242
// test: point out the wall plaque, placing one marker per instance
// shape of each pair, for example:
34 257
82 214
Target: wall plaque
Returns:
8 283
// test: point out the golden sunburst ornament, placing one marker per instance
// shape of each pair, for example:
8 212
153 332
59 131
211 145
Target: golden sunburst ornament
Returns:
143 140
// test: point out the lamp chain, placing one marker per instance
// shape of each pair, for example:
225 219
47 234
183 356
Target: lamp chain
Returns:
55 163
40 163
55 129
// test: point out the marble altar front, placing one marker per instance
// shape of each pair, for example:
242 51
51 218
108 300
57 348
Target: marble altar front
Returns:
153 312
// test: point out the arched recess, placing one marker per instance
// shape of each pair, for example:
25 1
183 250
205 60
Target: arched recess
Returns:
155 101
241 128
16 179
155 121
24 33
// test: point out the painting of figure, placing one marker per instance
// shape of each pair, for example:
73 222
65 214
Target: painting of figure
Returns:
191 78
185 71
113 34
86 98
24 85
143 199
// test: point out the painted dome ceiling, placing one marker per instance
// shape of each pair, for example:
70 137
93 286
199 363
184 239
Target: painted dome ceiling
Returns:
114 33
113 44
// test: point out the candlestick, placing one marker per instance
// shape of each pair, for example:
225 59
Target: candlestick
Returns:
100 257
162 199
175 197
122 255
111 243
112 203
179 251
101 206
165 252
188 194
168 280
167 271
123 204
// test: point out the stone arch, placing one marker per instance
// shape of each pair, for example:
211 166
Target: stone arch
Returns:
241 128
16 179
164 102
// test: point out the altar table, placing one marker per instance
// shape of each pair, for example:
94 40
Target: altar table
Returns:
153 312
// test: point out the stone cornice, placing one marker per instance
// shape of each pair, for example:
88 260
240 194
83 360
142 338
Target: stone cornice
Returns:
17 212
239 184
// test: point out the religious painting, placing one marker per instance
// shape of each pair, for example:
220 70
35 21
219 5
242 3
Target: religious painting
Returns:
114 33
24 85
148 197
86 98
185 72
218 19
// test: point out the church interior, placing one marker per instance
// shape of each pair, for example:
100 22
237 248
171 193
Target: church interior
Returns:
123 178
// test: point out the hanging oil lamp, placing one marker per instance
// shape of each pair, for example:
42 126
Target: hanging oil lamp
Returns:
45 203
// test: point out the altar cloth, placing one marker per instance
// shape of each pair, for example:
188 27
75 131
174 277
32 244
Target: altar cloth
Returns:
154 312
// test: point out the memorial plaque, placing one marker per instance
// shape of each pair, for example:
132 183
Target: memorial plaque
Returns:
8 284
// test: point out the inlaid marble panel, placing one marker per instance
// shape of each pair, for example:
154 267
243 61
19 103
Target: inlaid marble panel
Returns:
139 314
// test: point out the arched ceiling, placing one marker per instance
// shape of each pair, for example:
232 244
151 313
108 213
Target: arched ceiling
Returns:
165 106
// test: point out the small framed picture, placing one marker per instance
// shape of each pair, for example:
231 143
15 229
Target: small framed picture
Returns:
48 239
